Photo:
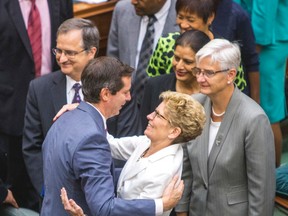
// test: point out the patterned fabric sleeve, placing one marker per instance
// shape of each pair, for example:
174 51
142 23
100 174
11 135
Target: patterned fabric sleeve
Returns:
161 60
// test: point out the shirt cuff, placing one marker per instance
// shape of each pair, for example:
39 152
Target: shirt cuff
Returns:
158 207
3 194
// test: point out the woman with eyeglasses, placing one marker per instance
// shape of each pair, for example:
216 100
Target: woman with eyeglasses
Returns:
181 80
230 168
217 19
153 159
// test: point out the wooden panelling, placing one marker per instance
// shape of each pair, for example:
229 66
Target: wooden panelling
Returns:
101 15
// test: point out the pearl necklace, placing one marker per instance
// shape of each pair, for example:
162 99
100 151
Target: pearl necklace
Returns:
217 115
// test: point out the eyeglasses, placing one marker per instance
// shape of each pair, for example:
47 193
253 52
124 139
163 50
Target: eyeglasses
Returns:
67 53
206 73
156 113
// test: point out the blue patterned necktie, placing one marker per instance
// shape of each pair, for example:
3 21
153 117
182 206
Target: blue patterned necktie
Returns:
76 98
145 54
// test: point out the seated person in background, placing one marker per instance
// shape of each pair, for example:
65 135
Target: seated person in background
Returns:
155 158
6 196
282 181
9 206
181 79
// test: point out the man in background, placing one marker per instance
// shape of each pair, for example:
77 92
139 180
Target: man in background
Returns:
77 43
28 30
130 23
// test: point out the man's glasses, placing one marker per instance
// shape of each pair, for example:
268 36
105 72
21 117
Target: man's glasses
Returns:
156 113
67 53
206 73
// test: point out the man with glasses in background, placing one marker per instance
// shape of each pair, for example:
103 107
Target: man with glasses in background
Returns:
76 44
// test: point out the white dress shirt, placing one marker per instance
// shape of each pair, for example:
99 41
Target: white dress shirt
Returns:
158 26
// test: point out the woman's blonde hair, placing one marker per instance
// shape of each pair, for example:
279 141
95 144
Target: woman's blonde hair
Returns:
184 112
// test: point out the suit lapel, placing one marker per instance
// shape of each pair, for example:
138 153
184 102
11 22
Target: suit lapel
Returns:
204 140
54 11
58 90
14 10
133 34
134 166
96 116
223 130
170 24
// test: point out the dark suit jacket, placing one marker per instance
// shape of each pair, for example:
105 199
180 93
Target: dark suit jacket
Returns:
122 43
77 156
153 88
16 62
46 96
233 23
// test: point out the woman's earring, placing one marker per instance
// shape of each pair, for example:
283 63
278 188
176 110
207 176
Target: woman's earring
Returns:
228 82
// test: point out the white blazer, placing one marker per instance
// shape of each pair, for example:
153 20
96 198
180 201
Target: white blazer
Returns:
145 178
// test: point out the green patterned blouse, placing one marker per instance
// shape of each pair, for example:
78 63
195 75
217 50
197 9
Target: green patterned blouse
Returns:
161 60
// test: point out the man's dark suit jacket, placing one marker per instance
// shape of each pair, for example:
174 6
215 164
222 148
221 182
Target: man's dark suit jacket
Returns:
46 96
153 88
16 62
122 43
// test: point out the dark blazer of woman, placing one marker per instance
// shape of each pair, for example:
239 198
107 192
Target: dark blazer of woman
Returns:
153 88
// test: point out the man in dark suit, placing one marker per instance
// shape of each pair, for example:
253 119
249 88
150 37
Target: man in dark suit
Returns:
77 43
77 148
127 31
16 71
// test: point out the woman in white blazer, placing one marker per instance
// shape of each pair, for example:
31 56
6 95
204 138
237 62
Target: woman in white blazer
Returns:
230 168
153 159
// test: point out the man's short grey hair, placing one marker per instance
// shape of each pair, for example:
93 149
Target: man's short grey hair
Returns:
90 33
226 53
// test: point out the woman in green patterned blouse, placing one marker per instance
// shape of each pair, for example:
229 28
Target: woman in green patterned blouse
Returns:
197 15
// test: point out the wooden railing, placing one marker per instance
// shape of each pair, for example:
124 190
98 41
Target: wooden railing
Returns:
101 15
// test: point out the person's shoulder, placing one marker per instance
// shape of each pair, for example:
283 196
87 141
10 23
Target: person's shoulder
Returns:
160 80
47 78
166 43
201 98
168 160
170 36
239 12
124 10
124 4
249 108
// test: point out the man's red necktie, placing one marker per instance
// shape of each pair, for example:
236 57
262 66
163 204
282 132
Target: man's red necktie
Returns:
35 36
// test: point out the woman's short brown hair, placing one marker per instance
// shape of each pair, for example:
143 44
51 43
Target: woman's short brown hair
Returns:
184 112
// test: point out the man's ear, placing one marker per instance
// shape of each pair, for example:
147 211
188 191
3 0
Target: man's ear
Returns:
105 94
92 52
174 133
